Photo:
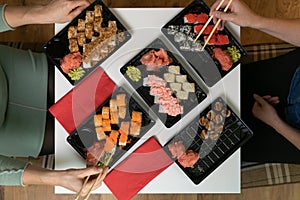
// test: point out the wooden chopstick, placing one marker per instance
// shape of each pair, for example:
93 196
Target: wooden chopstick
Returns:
215 27
210 18
84 184
87 178
99 175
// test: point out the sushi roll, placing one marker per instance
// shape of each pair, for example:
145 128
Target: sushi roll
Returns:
106 125
135 128
202 18
183 95
124 131
190 18
109 145
89 17
112 25
98 24
81 39
203 121
226 112
89 31
185 29
121 100
175 86
114 136
219 119
169 77
172 29
98 120
206 31
204 134
122 112
219 128
105 112
191 37
179 37
73 45
136 116
211 115
100 133
196 46
72 32
114 117
210 125
181 78
189 87
214 135
185 46
124 128
174 69
98 10
218 106
123 139
113 105
218 39
81 25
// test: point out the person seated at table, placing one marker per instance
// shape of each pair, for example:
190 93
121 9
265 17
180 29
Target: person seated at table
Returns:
270 89
25 128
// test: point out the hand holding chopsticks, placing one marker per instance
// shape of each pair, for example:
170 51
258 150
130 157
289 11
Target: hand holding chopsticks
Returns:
107 156
215 26
208 21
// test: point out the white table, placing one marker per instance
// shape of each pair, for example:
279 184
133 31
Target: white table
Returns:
144 24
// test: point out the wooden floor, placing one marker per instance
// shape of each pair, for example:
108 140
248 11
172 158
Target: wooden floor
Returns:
282 192
277 8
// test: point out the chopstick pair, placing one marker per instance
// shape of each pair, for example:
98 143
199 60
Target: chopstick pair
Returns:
215 26
107 161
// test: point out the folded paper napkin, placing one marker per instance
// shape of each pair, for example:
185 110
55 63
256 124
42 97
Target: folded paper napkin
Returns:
73 108
137 170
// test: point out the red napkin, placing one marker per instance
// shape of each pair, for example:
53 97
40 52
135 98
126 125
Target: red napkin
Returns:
72 109
137 170
144 164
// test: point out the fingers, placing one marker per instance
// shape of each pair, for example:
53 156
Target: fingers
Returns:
80 3
99 179
214 6
259 99
90 171
77 7
271 99
225 16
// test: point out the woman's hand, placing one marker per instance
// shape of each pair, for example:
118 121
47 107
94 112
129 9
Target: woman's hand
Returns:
73 179
60 11
263 110
238 13
57 11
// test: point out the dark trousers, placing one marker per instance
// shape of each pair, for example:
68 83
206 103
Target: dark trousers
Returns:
269 77
48 144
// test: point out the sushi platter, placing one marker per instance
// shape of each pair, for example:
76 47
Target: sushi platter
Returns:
223 52
208 140
119 121
163 83
87 41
